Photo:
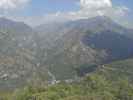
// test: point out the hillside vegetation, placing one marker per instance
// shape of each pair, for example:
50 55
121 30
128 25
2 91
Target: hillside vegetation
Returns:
118 69
92 87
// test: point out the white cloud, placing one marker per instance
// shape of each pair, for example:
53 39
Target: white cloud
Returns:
122 11
12 4
101 7
90 8
95 4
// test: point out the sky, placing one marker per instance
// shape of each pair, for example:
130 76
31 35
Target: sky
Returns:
35 12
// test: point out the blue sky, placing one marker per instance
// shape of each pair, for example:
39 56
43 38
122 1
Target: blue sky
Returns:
50 6
41 7
46 10
128 3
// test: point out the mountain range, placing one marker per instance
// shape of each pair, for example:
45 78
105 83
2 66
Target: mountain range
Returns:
59 51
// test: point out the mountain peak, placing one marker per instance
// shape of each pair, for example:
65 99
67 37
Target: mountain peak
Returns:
102 18
7 21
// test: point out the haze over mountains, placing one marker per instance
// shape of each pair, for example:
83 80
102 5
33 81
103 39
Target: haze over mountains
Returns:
60 49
